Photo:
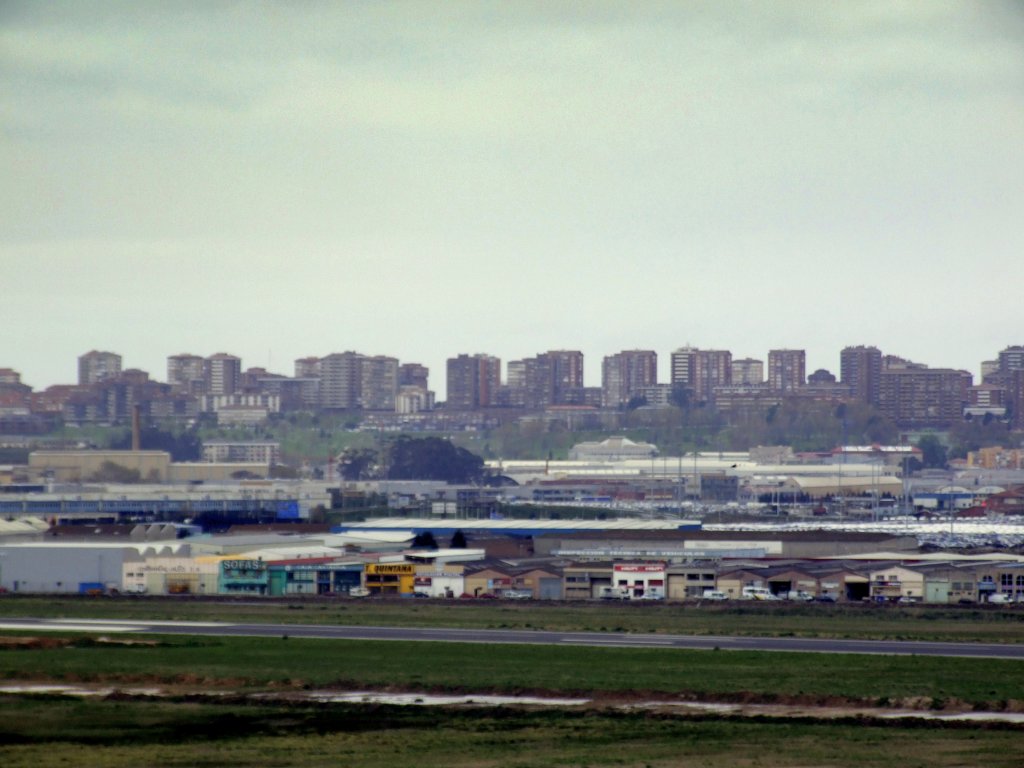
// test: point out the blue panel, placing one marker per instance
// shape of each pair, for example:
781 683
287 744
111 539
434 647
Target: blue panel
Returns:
288 510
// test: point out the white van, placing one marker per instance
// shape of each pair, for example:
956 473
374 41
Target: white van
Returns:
758 593
714 594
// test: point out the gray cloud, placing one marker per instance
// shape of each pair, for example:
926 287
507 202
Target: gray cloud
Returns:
512 177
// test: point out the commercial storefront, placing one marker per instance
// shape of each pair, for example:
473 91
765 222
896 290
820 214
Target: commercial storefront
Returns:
391 578
640 579
323 577
244 577
171 575
440 581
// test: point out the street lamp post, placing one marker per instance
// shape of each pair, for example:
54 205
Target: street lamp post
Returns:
679 487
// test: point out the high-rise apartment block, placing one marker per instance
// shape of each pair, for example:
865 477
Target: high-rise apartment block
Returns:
625 376
96 366
1011 359
515 373
988 369
473 381
340 380
701 370
787 369
185 373
378 383
550 378
222 374
860 368
1007 373
712 368
413 375
307 368
923 397
683 367
1015 397
350 380
747 372
566 372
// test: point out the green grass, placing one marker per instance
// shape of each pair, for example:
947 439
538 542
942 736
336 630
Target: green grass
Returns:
190 730
730 675
940 623
59 732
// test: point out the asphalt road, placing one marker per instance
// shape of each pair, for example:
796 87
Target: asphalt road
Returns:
493 636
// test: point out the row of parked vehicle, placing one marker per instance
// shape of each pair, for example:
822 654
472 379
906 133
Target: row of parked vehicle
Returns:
763 593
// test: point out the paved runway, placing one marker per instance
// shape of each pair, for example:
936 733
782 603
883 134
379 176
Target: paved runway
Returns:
492 636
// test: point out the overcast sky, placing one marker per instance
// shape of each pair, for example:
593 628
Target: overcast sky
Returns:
423 179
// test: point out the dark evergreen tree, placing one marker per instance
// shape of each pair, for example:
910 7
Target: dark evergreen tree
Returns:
424 540
934 454
432 458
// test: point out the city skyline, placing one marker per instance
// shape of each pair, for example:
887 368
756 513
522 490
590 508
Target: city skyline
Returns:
282 181
437 381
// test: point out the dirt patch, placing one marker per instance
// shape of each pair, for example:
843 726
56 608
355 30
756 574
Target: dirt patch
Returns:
189 684
34 643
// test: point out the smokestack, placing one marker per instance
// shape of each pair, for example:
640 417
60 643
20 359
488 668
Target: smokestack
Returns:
136 432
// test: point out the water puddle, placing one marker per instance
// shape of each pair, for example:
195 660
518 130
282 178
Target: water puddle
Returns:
782 710
78 690
435 700
490 700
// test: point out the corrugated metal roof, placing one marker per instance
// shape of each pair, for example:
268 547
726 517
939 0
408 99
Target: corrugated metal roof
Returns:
407 524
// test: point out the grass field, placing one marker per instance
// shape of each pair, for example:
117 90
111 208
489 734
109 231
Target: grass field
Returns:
918 622
182 733
237 663
227 729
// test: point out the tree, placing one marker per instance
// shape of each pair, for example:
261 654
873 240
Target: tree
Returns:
432 458
458 540
680 397
183 446
358 464
283 471
424 540
933 452
318 514
111 472
972 434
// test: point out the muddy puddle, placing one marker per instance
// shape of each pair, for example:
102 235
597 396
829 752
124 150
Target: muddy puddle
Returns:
492 700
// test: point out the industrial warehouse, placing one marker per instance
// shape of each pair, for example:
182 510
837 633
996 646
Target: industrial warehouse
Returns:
483 559
606 525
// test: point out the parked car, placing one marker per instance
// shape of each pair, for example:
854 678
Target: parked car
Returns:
714 594
517 594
